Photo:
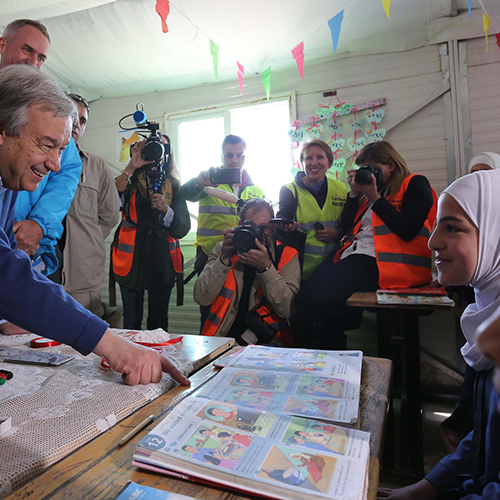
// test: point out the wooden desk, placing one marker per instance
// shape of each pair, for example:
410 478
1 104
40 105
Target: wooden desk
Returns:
98 470
56 410
202 350
398 328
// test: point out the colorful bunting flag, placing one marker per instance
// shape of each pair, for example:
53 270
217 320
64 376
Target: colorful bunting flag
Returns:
163 10
241 72
498 40
486 26
334 23
298 55
266 80
387 7
214 49
470 13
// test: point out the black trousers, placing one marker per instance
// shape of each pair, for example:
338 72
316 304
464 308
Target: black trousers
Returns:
133 304
320 312
199 264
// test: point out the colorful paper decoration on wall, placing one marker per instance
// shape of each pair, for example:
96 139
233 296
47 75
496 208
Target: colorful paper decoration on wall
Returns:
241 72
335 23
486 26
266 80
345 127
387 8
163 10
298 55
498 40
214 49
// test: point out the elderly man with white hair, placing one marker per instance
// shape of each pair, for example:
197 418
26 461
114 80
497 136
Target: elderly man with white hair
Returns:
36 120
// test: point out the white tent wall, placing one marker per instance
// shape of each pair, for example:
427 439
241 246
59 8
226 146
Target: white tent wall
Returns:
483 74
408 80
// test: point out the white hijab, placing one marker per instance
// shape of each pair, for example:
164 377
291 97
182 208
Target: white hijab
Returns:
479 196
488 158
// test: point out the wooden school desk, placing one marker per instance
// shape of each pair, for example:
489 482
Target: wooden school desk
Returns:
98 470
398 330
56 410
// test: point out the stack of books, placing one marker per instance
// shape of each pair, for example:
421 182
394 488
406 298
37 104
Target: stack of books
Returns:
267 425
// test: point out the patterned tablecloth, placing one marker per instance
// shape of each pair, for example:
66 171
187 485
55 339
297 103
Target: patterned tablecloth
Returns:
55 410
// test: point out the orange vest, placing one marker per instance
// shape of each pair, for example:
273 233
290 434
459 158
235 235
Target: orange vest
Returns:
401 264
123 251
221 304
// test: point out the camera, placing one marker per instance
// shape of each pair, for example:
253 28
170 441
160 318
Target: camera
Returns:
244 236
153 151
364 176
225 175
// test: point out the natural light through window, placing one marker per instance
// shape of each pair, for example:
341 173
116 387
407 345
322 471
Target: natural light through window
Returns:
265 130
264 127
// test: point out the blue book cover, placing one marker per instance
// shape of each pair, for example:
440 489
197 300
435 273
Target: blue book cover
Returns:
134 491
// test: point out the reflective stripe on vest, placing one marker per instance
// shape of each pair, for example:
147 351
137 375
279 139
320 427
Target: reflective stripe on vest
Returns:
209 209
123 251
401 264
220 305
215 216
309 213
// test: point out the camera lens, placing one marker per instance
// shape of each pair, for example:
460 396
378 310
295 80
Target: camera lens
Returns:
363 176
153 150
243 240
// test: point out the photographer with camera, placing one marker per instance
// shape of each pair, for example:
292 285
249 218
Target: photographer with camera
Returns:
250 280
146 252
316 202
391 214
216 214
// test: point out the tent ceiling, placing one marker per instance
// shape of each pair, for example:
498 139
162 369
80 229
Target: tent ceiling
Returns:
104 48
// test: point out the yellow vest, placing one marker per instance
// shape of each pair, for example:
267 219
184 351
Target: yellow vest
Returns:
308 212
216 215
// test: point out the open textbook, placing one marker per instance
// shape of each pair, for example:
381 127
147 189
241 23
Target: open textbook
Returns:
331 399
262 453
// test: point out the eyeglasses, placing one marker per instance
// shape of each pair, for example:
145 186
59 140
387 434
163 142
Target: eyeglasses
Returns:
260 201
80 100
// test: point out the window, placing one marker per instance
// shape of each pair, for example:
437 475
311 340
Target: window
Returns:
197 139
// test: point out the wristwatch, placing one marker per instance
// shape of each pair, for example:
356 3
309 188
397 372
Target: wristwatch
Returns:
264 269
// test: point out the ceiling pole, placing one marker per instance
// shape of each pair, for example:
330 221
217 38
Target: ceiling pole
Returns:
453 8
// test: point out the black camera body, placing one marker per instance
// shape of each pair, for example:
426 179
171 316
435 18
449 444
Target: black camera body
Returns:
364 176
225 175
244 236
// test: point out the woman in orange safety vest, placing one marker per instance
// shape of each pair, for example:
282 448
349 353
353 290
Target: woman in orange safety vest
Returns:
146 253
390 214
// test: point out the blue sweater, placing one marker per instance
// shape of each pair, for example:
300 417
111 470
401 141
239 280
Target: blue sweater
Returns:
33 302
473 471
49 204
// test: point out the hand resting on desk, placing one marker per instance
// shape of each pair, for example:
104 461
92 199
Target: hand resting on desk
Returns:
137 364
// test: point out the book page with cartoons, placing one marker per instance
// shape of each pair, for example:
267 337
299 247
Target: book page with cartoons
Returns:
307 395
345 365
278 456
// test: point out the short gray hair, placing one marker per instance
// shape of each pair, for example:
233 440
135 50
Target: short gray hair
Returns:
21 87
12 28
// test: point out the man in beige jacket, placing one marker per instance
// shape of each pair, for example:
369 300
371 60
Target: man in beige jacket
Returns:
94 212
249 281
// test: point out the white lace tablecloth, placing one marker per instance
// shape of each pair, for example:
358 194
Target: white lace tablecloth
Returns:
55 410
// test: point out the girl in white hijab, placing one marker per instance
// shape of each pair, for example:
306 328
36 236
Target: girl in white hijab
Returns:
466 240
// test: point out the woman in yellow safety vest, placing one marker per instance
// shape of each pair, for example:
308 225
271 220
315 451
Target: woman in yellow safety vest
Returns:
315 201
146 253
390 214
